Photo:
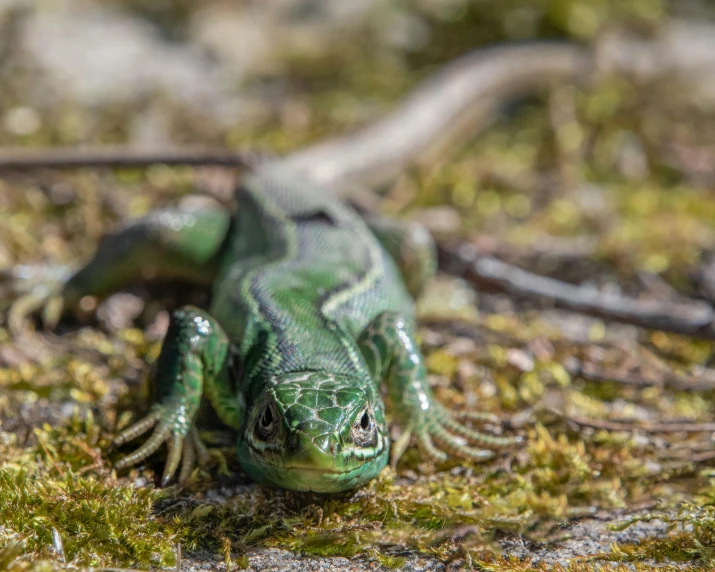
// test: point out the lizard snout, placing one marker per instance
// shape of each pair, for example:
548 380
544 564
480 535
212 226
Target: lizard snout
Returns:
303 441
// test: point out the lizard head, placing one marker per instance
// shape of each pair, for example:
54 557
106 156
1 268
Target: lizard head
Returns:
315 432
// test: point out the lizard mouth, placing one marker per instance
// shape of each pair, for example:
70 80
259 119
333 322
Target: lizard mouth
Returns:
299 475
312 479
348 457
302 468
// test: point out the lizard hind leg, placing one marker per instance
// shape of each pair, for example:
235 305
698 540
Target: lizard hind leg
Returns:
411 247
193 362
33 288
172 244
392 354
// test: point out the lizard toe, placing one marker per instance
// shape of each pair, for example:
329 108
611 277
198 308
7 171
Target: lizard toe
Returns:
161 433
200 450
459 448
475 416
32 289
194 453
182 449
427 447
175 448
400 446
452 421
25 306
137 429
188 461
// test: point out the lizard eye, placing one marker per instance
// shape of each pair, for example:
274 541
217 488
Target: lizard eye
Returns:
364 430
266 423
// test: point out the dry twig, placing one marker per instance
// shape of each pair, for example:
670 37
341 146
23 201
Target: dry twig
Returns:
691 317
646 427
122 156
685 383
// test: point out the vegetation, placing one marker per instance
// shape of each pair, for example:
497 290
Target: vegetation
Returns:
607 192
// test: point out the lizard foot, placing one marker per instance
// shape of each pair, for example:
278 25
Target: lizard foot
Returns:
33 289
183 445
441 434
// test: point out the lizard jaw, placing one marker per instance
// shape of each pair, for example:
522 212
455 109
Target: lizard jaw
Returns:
328 475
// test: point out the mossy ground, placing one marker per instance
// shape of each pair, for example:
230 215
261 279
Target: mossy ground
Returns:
592 195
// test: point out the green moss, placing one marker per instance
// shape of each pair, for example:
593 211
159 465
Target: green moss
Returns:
529 181
13 559
63 505
691 537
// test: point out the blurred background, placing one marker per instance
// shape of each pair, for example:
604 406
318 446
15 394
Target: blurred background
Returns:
274 76
609 182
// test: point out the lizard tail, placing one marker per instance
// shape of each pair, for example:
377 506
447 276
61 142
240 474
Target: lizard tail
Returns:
441 112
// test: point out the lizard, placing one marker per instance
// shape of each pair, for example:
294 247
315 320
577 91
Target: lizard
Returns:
312 307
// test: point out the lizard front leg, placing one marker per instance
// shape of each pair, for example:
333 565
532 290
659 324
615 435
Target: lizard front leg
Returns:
391 351
163 244
193 362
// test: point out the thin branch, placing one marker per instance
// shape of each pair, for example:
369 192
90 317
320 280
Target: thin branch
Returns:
691 317
702 457
122 156
705 280
647 427
687 383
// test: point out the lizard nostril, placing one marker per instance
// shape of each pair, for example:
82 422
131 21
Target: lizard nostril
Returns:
292 442
328 444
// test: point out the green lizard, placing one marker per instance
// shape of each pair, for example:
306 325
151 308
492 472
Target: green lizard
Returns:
309 315
312 311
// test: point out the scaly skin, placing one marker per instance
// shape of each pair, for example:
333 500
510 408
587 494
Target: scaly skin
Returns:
310 314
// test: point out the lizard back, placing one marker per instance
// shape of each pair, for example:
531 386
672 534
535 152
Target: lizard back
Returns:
301 275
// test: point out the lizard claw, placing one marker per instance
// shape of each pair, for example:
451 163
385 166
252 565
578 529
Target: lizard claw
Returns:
183 445
442 435
34 288
25 306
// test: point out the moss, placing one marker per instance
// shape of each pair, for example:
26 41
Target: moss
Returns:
60 502
527 189
690 537
393 562
12 559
